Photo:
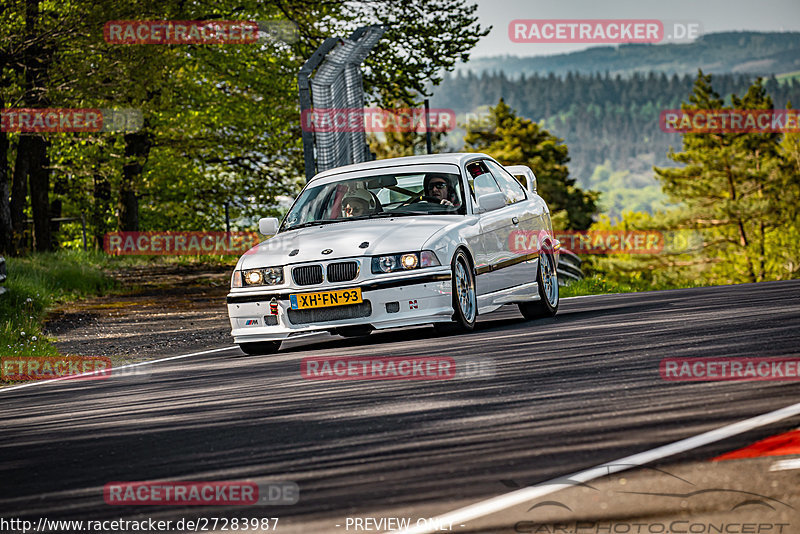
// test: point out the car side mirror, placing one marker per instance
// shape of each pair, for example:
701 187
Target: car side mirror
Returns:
491 202
268 226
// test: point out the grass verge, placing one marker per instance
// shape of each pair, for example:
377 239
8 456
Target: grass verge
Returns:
599 285
40 281
37 282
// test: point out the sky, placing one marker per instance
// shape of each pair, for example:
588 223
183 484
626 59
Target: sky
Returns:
713 15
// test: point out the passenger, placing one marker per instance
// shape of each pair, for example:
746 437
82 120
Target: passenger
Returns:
357 203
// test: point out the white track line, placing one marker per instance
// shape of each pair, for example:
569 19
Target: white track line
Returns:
149 362
496 504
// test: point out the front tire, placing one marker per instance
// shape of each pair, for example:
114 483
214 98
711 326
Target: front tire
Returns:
261 347
465 302
547 280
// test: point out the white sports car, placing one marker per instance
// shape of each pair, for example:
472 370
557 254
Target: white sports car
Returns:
432 239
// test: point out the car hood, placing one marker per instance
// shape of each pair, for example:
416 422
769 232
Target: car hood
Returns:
344 239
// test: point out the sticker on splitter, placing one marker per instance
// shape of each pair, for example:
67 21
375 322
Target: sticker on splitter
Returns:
251 322
413 305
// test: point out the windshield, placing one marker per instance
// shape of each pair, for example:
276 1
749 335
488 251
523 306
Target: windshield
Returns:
384 195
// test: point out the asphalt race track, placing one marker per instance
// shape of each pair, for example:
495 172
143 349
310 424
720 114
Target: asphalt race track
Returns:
557 396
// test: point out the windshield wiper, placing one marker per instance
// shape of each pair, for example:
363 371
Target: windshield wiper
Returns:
312 223
399 213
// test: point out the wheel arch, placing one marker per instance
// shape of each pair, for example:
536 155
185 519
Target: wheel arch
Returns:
470 259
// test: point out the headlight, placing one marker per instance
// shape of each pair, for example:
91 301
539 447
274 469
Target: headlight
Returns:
269 276
409 261
253 278
404 262
274 276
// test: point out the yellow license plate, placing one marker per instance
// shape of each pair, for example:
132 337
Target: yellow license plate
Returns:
324 299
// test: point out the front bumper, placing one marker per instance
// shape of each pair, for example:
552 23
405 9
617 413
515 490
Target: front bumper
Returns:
419 298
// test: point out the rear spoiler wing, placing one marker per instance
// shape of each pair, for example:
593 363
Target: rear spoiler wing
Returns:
524 175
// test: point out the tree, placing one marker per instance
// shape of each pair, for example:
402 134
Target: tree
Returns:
513 140
221 123
737 188
6 227
396 141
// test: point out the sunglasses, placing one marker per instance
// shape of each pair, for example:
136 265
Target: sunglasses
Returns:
438 185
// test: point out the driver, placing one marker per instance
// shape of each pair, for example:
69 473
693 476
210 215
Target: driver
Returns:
357 203
439 187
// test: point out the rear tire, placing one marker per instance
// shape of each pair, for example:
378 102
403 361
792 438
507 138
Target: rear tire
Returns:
261 347
547 280
465 302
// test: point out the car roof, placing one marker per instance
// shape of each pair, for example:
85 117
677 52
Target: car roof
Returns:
455 158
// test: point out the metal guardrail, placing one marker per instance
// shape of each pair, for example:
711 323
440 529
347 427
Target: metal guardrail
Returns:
336 85
569 267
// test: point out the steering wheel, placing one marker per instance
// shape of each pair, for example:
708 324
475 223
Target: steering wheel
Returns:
423 198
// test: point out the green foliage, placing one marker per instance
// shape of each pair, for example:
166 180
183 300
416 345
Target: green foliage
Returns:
624 190
735 217
423 39
601 117
40 281
740 190
675 263
601 285
221 122
37 282
513 140
397 143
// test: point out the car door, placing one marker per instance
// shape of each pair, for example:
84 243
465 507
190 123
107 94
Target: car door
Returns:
496 226
535 204
521 223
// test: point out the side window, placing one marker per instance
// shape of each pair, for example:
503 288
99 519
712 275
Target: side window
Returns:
511 188
521 178
480 180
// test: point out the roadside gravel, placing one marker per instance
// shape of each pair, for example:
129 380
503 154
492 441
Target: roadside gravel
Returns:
168 310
